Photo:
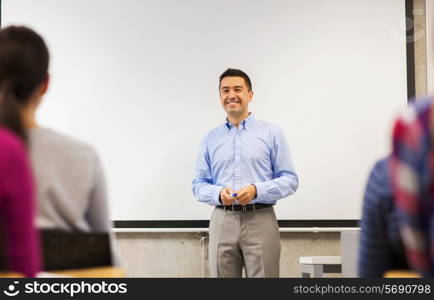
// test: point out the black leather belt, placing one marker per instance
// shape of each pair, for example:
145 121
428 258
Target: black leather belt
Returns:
248 207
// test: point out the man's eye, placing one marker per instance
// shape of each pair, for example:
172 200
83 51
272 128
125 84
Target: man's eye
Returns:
237 90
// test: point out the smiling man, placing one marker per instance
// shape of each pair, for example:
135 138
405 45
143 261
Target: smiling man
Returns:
243 168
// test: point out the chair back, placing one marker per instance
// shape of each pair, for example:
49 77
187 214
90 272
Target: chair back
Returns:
64 250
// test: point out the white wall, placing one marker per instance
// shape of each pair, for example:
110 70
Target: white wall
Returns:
430 45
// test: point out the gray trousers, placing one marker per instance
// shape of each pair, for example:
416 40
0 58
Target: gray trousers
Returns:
250 240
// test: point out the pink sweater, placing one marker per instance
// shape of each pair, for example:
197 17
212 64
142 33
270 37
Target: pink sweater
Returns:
17 203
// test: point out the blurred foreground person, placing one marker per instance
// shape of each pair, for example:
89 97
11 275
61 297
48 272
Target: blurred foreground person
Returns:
381 246
70 185
19 240
413 183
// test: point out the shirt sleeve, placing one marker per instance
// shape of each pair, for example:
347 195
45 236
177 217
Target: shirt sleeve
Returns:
408 160
203 188
21 237
98 212
375 253
285 180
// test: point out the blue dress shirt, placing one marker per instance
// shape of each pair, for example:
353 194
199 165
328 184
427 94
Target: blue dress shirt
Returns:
254 153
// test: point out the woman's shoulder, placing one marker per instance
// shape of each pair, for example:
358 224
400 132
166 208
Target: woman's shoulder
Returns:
10 144
52 140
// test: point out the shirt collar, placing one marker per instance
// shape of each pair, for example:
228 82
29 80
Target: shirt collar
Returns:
244 123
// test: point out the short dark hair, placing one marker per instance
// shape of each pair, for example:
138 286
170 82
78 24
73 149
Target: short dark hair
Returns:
236 73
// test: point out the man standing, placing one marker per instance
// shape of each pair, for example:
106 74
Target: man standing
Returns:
243 168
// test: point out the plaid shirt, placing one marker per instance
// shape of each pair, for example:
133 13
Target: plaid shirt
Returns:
380 248
412 168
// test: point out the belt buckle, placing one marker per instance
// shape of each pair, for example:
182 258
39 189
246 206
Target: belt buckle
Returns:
245 208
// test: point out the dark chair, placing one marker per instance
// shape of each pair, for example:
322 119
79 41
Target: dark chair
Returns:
64 250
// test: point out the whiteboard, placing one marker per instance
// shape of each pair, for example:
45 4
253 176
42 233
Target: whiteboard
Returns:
138 80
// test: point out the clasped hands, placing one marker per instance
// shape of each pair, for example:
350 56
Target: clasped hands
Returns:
244 195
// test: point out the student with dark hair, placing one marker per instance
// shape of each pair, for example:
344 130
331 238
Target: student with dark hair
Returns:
20 244
243 168
71 193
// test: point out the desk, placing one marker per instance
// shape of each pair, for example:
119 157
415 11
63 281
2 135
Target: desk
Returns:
100 272
401 274
350 253
315 266
11 275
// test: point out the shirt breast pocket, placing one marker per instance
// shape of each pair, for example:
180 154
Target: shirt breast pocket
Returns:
258 155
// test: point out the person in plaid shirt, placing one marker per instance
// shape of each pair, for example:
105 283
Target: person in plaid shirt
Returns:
412 167
381 246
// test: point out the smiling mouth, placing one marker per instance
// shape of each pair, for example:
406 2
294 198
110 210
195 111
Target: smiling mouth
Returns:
232 101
